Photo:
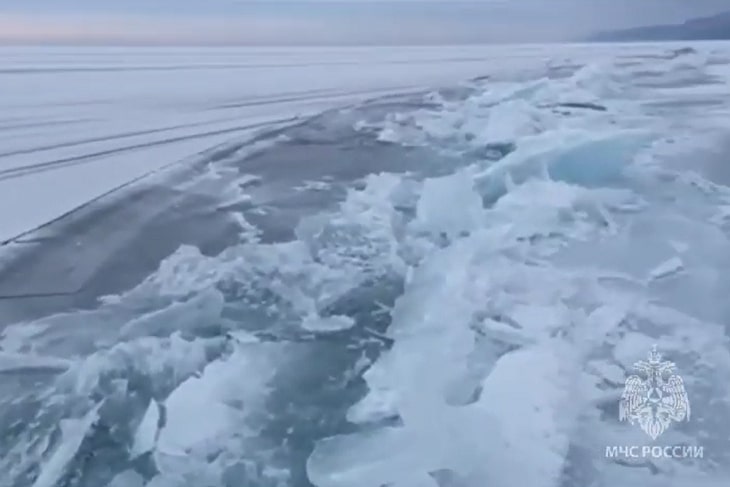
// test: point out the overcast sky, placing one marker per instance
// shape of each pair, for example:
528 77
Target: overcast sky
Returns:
297 22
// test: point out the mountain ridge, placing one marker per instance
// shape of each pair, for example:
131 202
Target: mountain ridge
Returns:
714 27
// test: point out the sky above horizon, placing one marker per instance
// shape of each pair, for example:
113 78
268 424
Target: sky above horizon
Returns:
331 22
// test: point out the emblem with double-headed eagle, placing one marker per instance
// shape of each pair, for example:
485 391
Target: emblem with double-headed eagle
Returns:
656 400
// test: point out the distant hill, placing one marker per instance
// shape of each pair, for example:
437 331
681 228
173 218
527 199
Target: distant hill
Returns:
716 27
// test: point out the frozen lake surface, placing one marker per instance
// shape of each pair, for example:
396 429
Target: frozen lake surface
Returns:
77 122
360 267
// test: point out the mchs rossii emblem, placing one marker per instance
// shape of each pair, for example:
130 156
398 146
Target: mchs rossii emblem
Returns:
654 397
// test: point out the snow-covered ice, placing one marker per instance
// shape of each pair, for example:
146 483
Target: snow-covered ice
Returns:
78 122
